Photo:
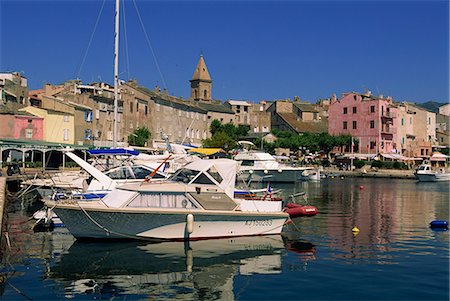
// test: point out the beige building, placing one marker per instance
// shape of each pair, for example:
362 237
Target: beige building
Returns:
58 125
404 138
13 90
297 116
423 131
252 114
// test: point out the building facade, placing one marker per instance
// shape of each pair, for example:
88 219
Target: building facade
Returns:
370 119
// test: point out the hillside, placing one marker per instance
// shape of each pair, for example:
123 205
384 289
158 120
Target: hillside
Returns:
431 106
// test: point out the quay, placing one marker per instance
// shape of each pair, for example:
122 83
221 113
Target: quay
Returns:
381 173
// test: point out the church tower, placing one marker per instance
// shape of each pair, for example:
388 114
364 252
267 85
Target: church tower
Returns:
201 83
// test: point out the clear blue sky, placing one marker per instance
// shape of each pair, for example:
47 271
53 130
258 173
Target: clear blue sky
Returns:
254 50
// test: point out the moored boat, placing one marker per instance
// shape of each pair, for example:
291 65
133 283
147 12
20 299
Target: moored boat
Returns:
425 173
196 203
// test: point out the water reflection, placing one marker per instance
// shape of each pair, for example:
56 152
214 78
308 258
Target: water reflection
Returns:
391 214
195 270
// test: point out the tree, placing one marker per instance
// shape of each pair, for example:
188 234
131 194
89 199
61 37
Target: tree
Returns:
216 126
225 135
139 137
220 140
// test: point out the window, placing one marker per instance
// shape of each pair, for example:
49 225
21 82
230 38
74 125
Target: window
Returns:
120 173
146 110
354 110
372 124
87 134
372 109
137 107
247 163
131 107
245 109
215 174
97 114
205 94
29 133
161 200
66 118
66 134
88 116
344 125
345 110
372 144
203 179
354 124
403 121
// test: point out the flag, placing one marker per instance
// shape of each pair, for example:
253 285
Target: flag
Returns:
269 189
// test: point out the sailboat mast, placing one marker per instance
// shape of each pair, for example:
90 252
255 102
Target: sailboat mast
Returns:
116 73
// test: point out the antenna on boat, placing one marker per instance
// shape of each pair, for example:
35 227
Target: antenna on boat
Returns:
116 72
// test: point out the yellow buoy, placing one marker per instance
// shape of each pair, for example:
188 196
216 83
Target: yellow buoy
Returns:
355 229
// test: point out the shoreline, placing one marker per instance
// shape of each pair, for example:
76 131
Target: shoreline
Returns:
381 173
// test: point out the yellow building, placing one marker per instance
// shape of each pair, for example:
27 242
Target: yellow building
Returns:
59 126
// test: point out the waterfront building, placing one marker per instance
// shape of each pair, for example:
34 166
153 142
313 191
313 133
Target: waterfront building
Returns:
297 116
404 138
58 125
445 110
255 115
13 90
20 125
94 106
366 117
443 130
424 131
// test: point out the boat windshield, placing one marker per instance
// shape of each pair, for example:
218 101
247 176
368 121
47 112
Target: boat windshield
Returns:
184 175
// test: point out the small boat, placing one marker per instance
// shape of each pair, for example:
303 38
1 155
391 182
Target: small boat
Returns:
311 175
425 173
197 202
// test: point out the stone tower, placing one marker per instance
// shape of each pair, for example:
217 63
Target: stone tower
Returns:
201 83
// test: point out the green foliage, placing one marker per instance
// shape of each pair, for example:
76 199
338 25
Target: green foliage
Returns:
225 135
309 141
389 164
139 137
359 163
220 140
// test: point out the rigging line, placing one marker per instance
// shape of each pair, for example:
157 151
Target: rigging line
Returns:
126 39
150 45
92 37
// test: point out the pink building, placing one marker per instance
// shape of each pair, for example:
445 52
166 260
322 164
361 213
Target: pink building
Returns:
24 127
367 118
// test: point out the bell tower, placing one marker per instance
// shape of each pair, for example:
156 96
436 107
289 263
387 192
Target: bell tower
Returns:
201 83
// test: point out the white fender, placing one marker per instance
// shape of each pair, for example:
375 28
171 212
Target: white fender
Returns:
190 223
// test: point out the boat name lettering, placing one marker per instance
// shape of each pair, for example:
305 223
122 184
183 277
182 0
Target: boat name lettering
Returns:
265 222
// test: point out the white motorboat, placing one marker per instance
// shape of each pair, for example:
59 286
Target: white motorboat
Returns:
263 166
425 173
196 203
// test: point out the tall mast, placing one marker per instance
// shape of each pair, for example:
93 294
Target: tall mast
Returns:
116 73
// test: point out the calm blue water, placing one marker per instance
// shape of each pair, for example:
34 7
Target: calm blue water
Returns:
395 256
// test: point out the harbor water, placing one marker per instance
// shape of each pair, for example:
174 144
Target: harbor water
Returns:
394 256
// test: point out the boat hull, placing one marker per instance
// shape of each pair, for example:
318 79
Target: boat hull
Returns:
88 223
271 175
433 177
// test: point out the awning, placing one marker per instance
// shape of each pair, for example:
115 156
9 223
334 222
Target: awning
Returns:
113 152
205 151
438 157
